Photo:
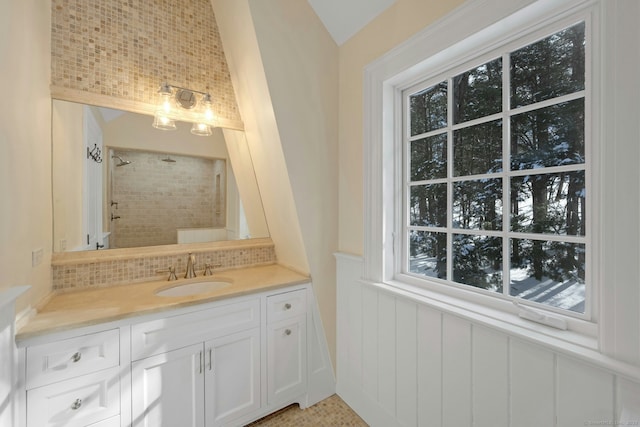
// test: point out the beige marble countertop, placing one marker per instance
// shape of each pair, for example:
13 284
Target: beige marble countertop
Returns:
88 307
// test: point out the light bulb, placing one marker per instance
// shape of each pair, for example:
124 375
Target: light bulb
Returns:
206 105
161 119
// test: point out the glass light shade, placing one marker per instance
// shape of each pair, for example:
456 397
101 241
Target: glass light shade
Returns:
162 122
206 107
165 98
201 129
161 119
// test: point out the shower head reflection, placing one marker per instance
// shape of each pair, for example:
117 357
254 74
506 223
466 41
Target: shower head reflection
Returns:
122 162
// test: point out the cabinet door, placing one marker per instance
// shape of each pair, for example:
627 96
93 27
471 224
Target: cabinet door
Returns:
168 389
286 360
232 376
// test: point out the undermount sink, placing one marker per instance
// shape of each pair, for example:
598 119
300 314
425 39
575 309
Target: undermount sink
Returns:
195 288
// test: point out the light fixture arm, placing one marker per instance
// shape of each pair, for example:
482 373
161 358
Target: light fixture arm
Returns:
204 94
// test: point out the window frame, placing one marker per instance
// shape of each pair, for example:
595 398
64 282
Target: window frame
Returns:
385 80
507 112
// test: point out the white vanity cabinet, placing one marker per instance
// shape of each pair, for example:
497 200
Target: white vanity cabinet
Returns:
197 369
287 346
222 363
204 384
74 382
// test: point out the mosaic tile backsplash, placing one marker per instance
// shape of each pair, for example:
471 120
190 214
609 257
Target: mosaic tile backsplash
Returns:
102 273
126 49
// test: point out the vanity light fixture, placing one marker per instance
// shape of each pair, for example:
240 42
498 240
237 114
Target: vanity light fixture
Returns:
178 103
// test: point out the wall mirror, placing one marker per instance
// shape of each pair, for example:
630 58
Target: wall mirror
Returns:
120 183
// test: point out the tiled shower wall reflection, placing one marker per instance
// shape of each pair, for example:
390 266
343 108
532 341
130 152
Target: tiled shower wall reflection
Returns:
156 194
126 49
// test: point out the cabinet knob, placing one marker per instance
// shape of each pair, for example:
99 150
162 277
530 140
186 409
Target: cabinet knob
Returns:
76 357
287 306
77 404
287 331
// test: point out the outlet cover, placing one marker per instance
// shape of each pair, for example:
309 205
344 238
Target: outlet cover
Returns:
36 257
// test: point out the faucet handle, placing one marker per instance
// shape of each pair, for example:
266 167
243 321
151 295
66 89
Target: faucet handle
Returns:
172 272
208 268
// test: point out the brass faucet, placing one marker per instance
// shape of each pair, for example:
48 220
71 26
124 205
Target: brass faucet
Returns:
191 272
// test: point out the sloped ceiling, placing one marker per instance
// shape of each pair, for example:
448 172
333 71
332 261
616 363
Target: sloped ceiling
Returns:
344 18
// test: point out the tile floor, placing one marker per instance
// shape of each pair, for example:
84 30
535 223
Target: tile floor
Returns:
327 413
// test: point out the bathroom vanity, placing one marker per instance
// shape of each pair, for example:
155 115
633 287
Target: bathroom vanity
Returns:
125 355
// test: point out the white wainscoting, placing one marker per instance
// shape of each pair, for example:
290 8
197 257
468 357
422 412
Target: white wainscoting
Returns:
401 362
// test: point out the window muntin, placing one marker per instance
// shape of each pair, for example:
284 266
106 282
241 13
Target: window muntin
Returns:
496 185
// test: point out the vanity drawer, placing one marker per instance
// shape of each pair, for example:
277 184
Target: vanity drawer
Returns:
171 333
286 305
77 402
64 359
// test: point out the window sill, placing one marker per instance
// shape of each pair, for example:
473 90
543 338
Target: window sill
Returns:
501 315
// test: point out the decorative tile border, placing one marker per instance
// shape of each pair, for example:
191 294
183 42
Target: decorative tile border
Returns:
121 267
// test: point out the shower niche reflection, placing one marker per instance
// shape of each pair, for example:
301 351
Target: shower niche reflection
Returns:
160 199
120 183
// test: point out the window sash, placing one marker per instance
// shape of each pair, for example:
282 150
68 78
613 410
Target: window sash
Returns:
506 175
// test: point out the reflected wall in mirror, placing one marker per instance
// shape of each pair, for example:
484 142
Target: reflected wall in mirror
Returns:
162 199
120 183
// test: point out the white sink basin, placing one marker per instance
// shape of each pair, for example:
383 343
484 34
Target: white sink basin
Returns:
195 288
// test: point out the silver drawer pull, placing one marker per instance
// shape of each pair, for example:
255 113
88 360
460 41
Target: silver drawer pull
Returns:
287 306
76 357
287 331
77 404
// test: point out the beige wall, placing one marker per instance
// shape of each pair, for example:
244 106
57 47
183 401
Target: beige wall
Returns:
25 147
301 64
392 27
254 219
285 73
263 138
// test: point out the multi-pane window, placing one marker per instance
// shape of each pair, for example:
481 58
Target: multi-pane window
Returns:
496 174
